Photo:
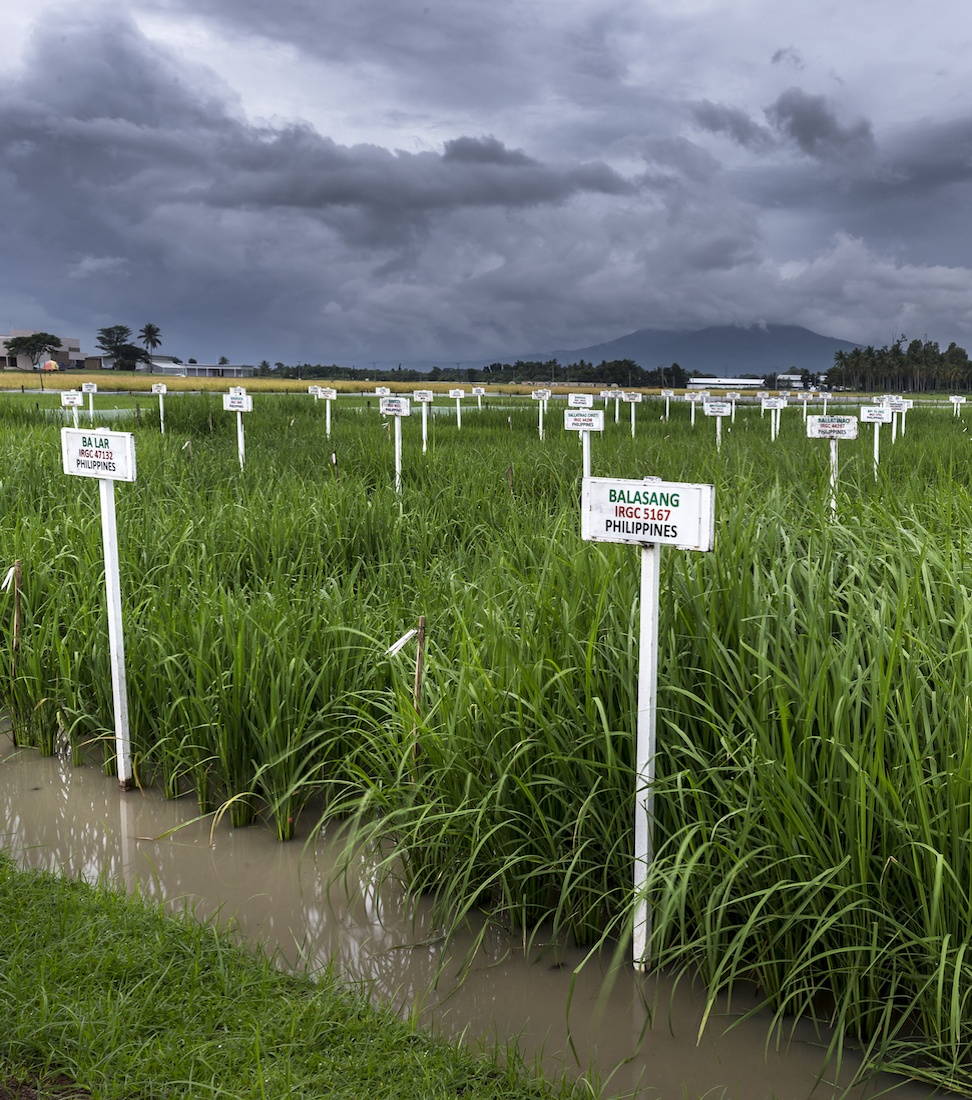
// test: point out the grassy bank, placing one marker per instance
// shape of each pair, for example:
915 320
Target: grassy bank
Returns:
104 991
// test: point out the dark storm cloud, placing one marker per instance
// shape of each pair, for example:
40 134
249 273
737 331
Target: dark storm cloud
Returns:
143 182
812 123
735 123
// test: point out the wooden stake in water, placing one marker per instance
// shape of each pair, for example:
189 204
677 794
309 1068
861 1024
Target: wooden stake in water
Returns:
626 511
109 457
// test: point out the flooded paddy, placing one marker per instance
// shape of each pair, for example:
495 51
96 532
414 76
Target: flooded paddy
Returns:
74 820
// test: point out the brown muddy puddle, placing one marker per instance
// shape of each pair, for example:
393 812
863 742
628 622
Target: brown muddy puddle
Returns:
58 817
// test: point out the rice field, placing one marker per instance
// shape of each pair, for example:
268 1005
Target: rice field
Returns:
814 779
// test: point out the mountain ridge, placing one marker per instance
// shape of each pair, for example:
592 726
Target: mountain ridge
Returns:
721 350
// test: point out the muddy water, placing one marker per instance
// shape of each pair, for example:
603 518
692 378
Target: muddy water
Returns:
74 819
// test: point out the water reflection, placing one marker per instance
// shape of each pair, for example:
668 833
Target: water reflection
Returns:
58 817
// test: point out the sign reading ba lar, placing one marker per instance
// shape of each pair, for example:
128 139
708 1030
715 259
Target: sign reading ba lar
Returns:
649 511
96 452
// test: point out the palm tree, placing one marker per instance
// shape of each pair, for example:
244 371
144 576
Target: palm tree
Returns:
150 336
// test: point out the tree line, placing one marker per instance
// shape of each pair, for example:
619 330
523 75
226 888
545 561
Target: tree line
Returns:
918 367
620 372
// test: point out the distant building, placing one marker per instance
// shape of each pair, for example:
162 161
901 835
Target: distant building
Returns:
725 384
163 365
68 355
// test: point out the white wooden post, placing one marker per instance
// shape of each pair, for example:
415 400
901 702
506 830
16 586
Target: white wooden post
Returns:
645 750
109 457
650 514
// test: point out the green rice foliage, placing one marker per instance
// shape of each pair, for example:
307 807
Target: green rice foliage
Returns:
813 781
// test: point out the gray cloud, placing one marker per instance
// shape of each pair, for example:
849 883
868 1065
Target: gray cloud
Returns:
788 56
735 123
812 123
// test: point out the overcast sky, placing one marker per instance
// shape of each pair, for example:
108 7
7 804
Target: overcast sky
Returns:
355 180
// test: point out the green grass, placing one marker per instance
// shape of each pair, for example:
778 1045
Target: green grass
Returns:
125 1001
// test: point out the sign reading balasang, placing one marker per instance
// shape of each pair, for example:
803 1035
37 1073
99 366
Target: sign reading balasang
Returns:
649 511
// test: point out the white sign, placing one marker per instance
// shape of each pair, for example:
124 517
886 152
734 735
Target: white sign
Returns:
584 420
666 513
607 393
539 395
395 406
314 391
237 391
89 387
327 393
423 396
478 391
876 414
72 399
631 398
96 452
237 402
458 395
832 427
159 387
580 400
774 403
957 400
382 391
668 393
717 408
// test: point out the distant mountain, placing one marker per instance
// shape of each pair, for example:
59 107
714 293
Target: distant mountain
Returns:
724 350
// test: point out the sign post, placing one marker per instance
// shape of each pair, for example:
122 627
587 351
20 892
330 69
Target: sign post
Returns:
718 409
72 399
632 399
834 428
458 395
109 457
775 406
479 393
876 415
90 388
648 513
160 389
606 395
540 396
957 403
328 394
733 396
424 397
585 420
668 395
397 407
238 401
